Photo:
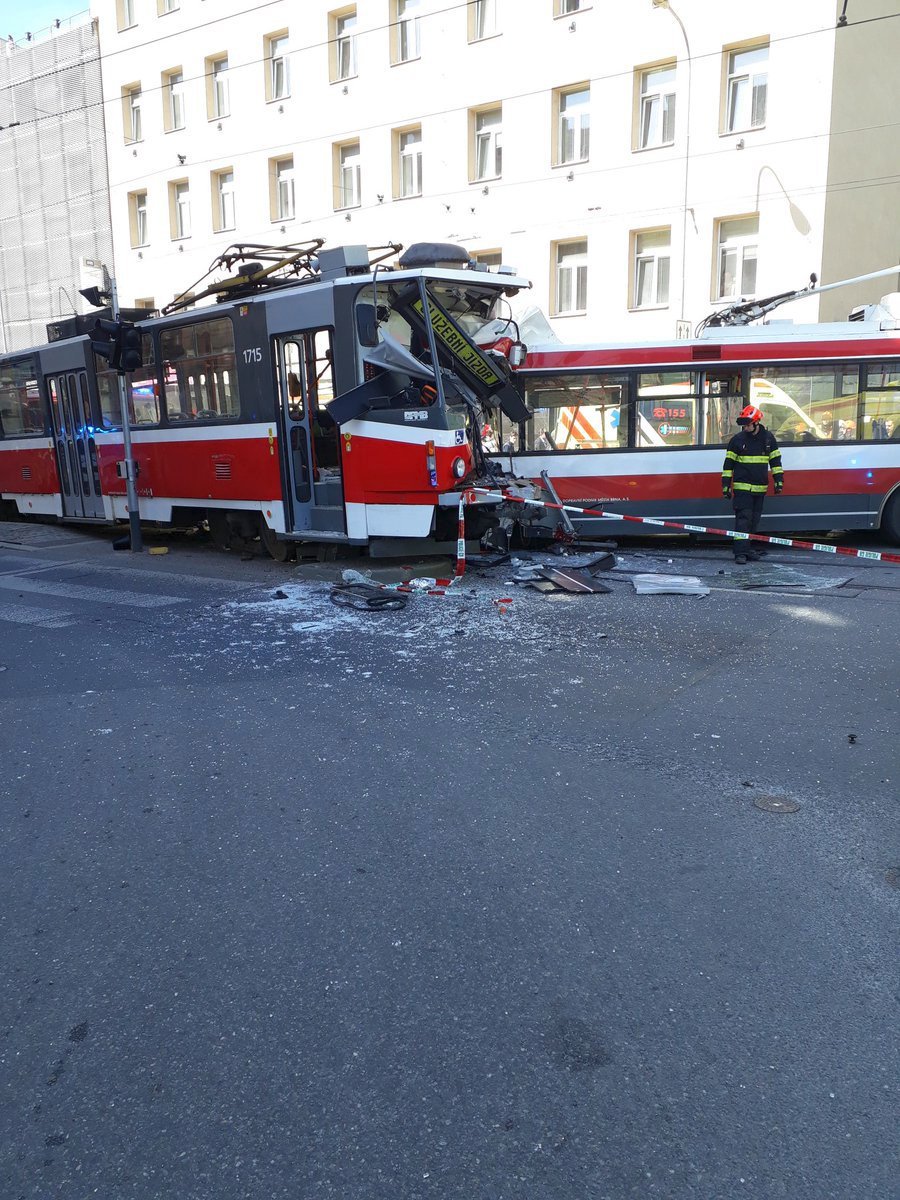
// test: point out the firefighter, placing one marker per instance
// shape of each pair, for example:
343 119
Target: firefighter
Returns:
751 454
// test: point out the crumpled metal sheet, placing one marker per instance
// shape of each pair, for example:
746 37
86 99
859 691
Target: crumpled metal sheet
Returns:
679 585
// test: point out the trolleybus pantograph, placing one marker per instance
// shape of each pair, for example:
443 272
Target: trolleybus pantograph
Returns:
327 396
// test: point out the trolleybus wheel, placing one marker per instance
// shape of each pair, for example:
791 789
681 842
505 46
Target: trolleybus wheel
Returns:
890 521
280 550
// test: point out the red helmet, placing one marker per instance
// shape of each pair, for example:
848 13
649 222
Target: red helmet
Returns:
749 415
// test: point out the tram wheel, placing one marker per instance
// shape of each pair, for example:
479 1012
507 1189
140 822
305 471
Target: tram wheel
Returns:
280 550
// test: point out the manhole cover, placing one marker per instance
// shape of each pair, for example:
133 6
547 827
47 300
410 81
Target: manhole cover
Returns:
892 877
776 804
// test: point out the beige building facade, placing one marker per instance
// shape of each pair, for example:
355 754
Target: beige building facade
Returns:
642 167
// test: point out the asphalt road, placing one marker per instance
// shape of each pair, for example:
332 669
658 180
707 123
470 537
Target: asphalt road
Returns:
471 900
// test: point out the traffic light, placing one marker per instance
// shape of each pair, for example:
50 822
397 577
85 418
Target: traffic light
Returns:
106 341
129 342
119 343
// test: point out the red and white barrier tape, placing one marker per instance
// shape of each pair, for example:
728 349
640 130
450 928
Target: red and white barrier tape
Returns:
876 555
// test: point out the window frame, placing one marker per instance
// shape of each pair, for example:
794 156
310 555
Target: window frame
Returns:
400 26
741 244
133 128
641 97
277 93
218 89
494 157
483 20
581 131
340 165
400 158
173 100
727 126
558 248
164 7
220 191
179 208
125 15
138 219
637 257
276 179
339 40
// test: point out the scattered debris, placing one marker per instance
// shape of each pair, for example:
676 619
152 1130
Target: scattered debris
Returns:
367 597
852 738
680 585
605 562
279 595
573 580
158 550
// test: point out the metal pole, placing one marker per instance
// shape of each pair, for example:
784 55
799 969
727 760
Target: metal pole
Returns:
134 514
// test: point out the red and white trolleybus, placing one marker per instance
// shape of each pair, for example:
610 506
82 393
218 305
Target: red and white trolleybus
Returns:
326 397
641 429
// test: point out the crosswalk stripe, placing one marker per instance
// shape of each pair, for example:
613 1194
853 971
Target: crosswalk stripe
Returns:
74 591
22 614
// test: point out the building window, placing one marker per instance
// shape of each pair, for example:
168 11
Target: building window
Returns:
125 14
281 178
747 80
147 303
167 6
657 115
409 162
482 19
347 175
736 264
180 209
405 30
131 105
278 67
488 258
218 100
488 148
565 7
223 199
137 218
343 44
573 127
571 277
650 279
173 100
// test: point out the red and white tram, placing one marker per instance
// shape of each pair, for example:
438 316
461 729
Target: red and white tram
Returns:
324 398
641 429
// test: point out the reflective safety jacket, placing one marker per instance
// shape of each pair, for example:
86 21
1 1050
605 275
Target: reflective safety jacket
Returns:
748 460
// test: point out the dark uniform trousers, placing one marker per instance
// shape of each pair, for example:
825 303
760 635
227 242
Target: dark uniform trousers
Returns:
748 507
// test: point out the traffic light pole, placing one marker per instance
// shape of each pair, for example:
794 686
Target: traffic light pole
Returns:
134 514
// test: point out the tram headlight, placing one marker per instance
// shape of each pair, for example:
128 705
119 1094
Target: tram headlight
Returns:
458 467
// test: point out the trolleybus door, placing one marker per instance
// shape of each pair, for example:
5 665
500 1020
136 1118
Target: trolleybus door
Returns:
76 453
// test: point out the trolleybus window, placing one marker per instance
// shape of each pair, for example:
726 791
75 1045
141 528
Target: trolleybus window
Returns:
667 409
807 404
572 412
199 375
141 386
20 399
880 415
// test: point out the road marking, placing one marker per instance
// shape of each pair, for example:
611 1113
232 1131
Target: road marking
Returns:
73 591
21 614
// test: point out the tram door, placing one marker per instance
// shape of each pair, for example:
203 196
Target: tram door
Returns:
76 452
314 495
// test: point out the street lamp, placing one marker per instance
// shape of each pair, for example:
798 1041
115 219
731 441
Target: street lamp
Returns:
687 142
